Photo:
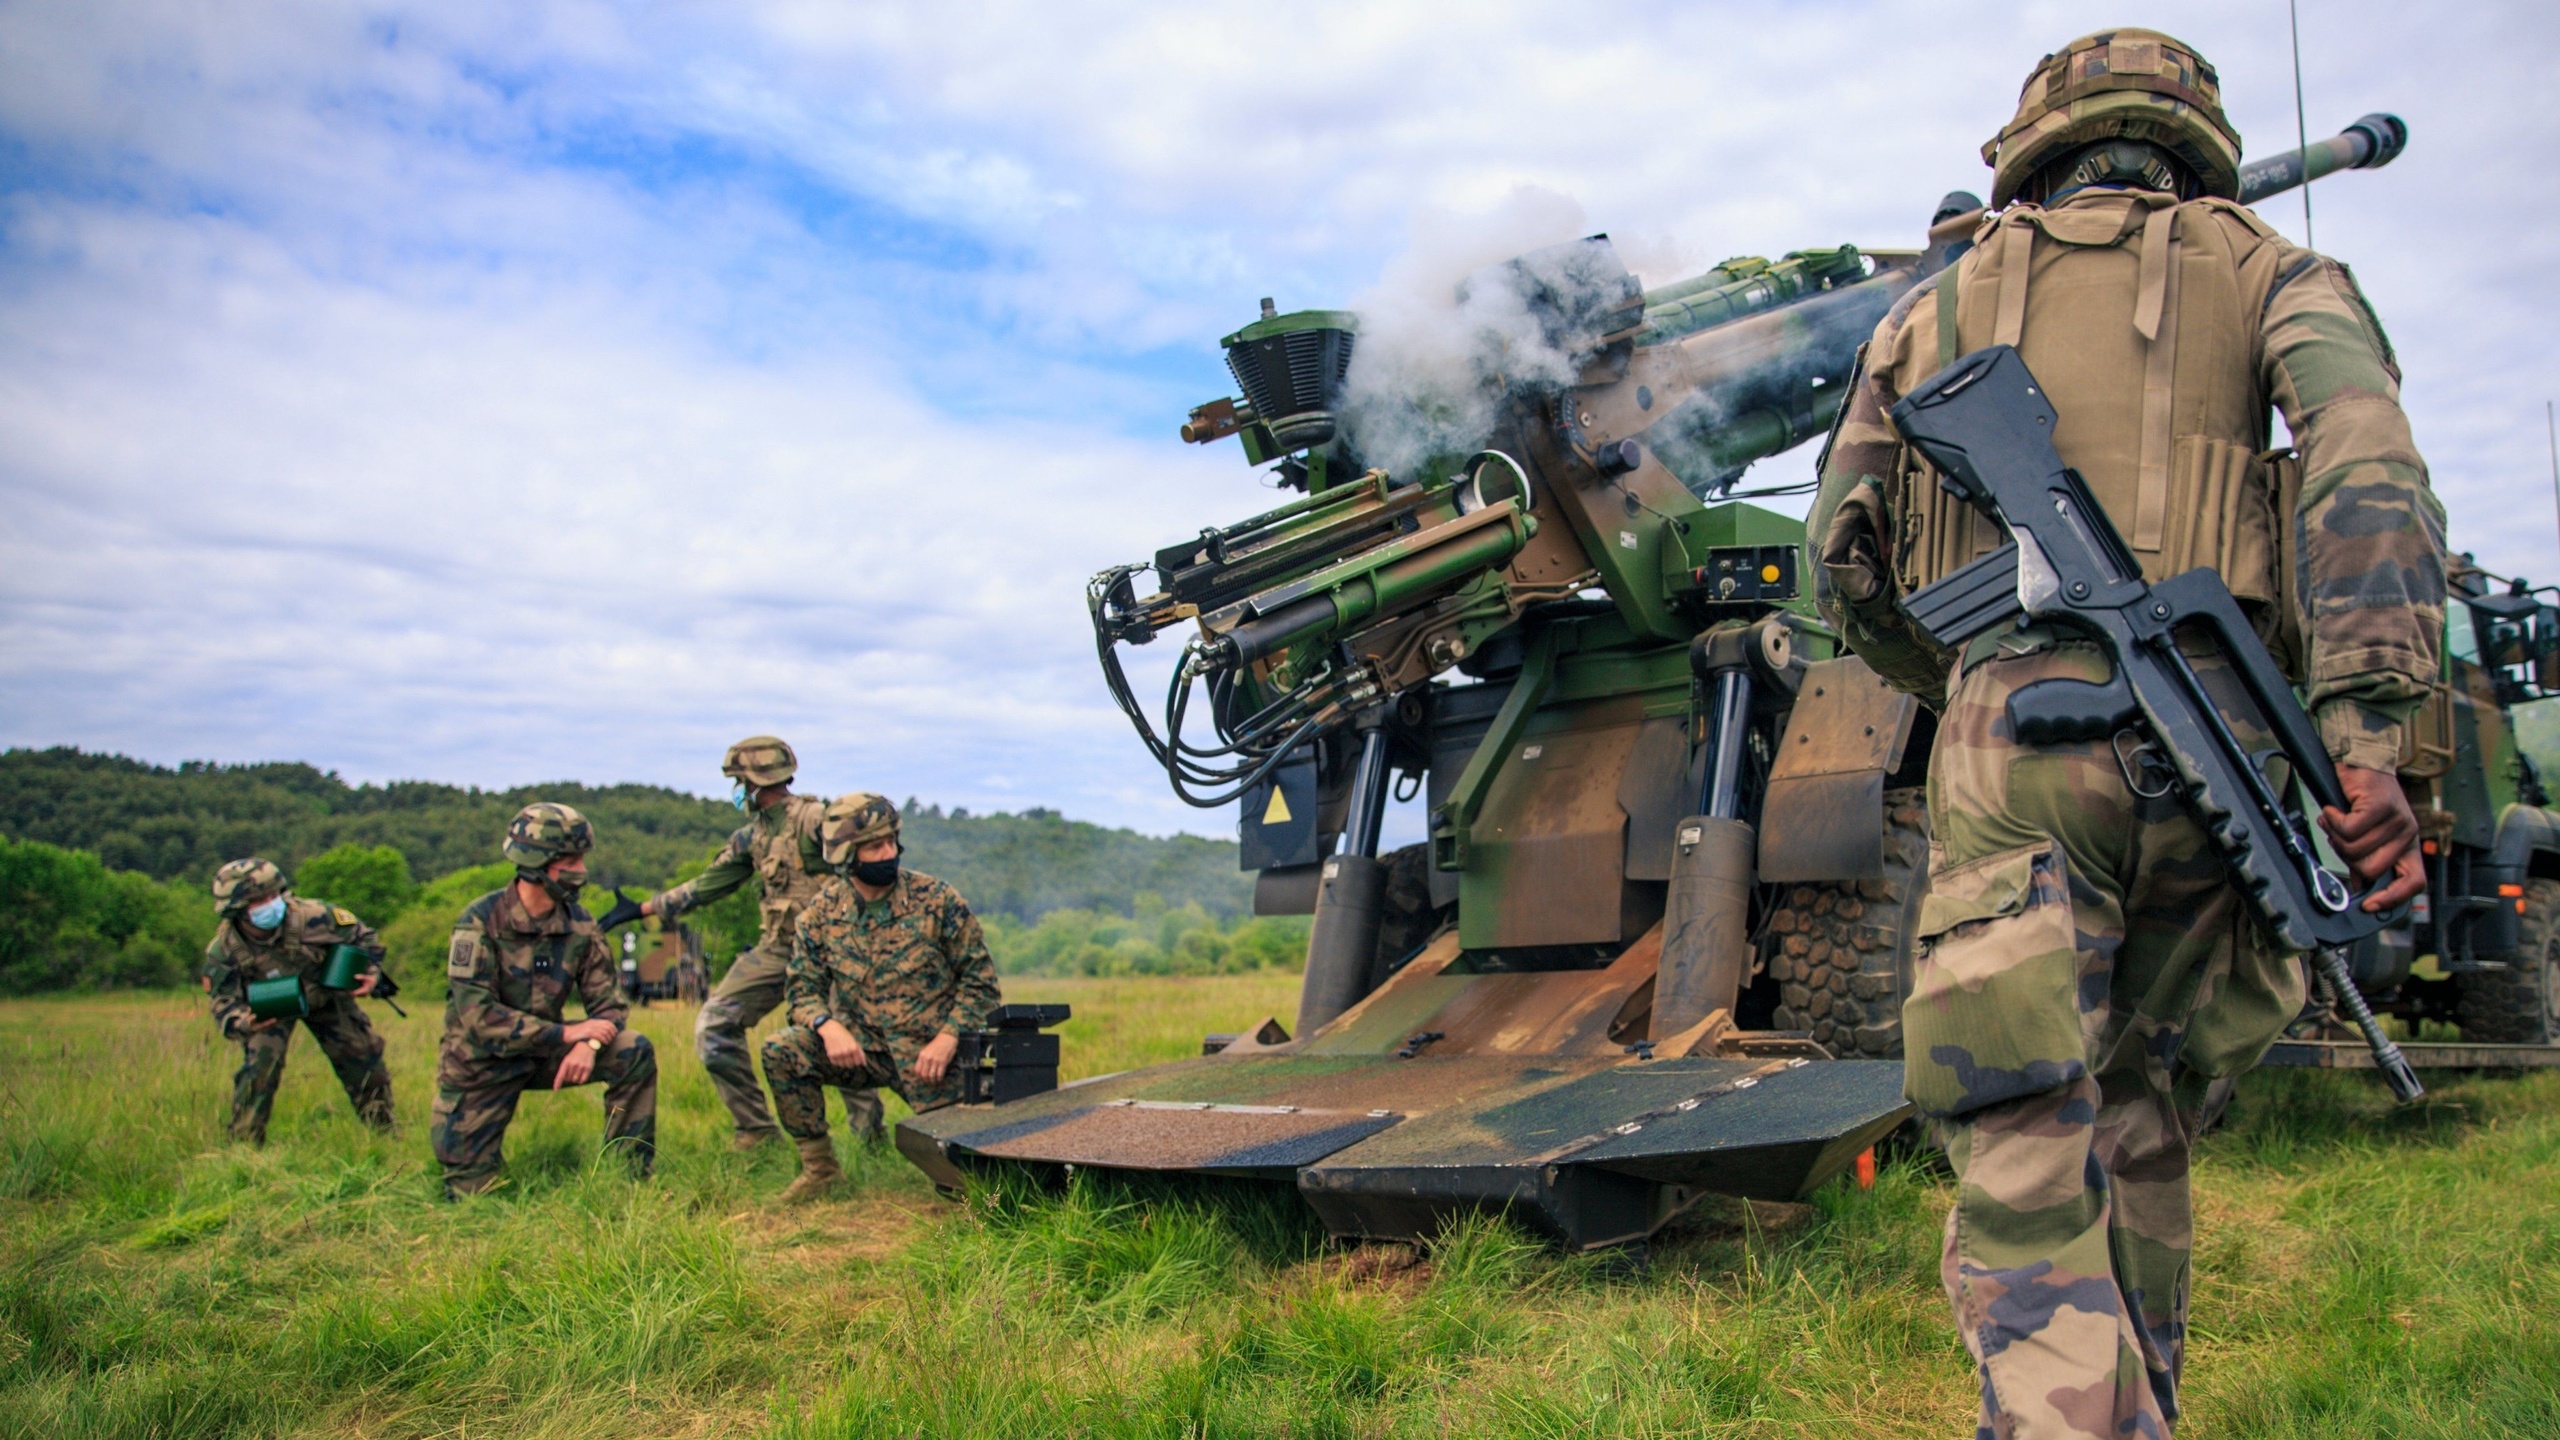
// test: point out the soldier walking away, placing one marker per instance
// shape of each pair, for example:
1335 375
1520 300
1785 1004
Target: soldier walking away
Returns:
517 955
269 933
2087 969
778 848
887 967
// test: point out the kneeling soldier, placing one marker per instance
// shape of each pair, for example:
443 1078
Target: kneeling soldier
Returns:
886 968
517 953
267 933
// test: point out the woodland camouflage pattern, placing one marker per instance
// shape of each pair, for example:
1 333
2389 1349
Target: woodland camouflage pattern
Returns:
2084 965
760 760
544 831
778 848
2364 544
2084 969
896 971
300 946
510 976
240 881
2138 84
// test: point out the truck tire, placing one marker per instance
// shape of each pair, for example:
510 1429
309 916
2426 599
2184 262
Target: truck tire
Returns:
2519 1005
1406 916
1841 950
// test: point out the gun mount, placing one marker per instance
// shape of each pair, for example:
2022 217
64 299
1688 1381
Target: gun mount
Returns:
1582 998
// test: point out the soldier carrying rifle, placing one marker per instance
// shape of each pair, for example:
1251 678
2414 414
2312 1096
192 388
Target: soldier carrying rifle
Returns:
2087 966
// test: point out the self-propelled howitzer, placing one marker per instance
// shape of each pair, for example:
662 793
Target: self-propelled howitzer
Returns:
1673 855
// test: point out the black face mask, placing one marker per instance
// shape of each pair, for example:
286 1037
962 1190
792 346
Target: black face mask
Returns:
878 874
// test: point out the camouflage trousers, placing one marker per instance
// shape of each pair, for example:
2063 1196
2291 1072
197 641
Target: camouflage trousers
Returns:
748 993
2085 970
354 1051
473 1109
795 1064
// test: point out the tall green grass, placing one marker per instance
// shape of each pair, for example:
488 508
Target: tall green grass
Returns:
2360 1270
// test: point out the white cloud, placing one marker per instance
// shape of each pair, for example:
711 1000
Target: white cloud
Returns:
493 392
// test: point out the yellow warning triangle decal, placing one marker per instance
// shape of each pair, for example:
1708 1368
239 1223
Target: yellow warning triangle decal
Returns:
1277 812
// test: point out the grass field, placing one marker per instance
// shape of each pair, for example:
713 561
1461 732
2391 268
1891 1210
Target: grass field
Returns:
2360 1272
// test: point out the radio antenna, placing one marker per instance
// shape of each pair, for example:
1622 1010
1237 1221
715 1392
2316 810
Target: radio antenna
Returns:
2553 427
2301 127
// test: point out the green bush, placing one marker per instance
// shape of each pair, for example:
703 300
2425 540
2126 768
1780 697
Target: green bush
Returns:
373 881
1155 939
416 941
67 922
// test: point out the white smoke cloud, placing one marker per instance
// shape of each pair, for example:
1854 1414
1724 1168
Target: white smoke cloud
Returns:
1431 348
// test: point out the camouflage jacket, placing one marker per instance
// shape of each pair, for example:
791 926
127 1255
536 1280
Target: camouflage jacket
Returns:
778 848
509 977
2350 583
896 970
299 946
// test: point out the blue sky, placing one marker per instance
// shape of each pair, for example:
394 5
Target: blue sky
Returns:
493 393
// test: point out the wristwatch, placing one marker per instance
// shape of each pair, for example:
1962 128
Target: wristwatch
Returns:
594 1044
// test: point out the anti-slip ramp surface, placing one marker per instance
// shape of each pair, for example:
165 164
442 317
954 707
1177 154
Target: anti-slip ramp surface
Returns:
1589 1150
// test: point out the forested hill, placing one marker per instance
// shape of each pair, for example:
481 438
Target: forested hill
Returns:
181 823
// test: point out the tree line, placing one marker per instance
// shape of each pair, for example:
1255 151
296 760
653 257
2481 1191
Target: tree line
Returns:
104 862
183 822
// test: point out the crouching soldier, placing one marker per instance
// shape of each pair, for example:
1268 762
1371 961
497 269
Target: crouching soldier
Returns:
887 967
268 933
517 955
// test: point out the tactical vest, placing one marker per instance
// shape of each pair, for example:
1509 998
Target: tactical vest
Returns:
788 885
2142 317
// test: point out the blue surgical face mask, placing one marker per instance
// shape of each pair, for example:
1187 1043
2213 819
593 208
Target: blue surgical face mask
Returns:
268 914
738 794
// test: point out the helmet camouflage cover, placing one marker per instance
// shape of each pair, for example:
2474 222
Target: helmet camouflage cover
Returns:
2134 84
239 882
853 821
760 760
544 831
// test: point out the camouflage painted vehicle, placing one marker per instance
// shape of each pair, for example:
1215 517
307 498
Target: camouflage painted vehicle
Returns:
1674 841
2478 951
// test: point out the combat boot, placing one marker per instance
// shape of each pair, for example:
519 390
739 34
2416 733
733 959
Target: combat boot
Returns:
818 1171
746 1140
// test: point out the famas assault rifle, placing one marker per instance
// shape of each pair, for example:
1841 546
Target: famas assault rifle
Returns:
1987 427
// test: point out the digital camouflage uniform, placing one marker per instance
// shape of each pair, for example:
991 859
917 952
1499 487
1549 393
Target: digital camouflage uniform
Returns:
778 848
510 976
2083 965
300 946
896 971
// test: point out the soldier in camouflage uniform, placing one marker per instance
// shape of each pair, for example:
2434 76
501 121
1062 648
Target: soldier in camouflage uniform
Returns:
887 966
2085 966
268 932
517 954
778 848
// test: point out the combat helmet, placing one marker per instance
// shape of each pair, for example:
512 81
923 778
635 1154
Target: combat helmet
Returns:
853 821
240 881
760 760
543 832
2128 83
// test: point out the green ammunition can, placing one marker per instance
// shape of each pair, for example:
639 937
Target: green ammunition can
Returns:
279 998
347 964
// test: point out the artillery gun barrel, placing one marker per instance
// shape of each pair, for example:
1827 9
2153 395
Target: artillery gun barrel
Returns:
1378 583
2369 144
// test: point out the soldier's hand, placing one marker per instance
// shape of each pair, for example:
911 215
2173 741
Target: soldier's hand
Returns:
2376 835
256 1026
624 911
365 985
575 1066
843 1051
934 1060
